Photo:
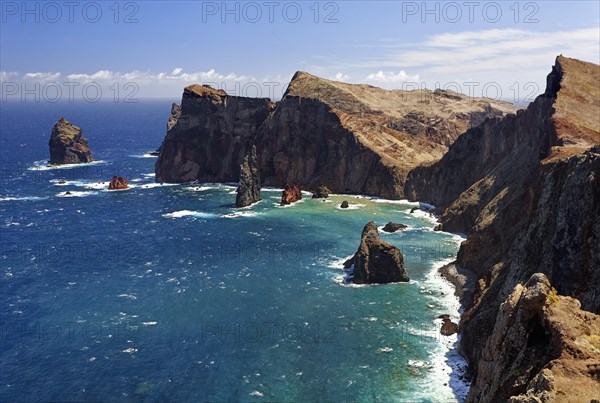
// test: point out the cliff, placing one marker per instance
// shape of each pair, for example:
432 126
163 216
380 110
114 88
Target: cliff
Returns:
525 189
351 138
544 348
209 136
68 145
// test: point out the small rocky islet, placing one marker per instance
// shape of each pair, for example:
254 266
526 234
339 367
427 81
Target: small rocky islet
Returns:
68 145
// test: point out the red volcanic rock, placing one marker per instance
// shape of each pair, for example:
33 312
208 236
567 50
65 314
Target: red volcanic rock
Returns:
118 183
291 194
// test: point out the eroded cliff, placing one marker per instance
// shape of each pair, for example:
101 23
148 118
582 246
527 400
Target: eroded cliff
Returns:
351 138
526 191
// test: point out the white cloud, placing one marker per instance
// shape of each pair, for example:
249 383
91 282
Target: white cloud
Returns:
42 77
342 77
391 77
156 84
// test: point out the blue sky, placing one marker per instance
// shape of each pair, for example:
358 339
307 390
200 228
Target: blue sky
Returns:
480 46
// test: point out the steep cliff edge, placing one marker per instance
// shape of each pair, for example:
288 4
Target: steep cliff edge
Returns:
544 348
526 190
351 138
209 135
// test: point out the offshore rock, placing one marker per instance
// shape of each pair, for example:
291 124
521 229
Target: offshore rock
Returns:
248 192
376 261
393 227
118 183
291 194
321 192
68 145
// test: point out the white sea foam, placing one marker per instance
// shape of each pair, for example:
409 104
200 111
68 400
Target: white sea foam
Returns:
146 155
157 185
76 193
23 198
278 205
351 206
149 175
44 165
189 213
236 214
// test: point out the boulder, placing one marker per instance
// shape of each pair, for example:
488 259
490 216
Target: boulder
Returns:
393 227
118 183
67 144
376 261
344 204
448 327
321 192
291 194
248 192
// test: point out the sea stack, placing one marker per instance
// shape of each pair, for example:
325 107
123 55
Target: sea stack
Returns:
248 192
67 144
291 194
376 261
321 192
118 183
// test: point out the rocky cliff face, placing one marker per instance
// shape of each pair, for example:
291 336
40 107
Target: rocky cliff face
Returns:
376 261
543 349
525 188
248 192
209 135
67 144
351 138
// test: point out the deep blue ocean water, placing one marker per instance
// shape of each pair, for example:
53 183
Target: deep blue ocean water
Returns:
169 293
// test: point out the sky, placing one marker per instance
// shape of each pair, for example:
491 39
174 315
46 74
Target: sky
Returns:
129 50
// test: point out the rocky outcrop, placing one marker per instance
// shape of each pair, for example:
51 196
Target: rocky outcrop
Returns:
448 327
209 136
355 138
525 189
393 227
67 144
118 183
344 204
376 261
248 192
321 192
291 194
543 348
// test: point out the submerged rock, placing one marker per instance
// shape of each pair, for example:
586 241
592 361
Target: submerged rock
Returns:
248 192
321 192
291 194
376 261
344 204
67 144
393 227
118 183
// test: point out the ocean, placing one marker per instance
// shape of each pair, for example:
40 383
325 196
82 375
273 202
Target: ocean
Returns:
170 293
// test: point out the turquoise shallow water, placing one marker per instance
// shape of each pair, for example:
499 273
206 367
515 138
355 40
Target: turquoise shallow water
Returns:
170 293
